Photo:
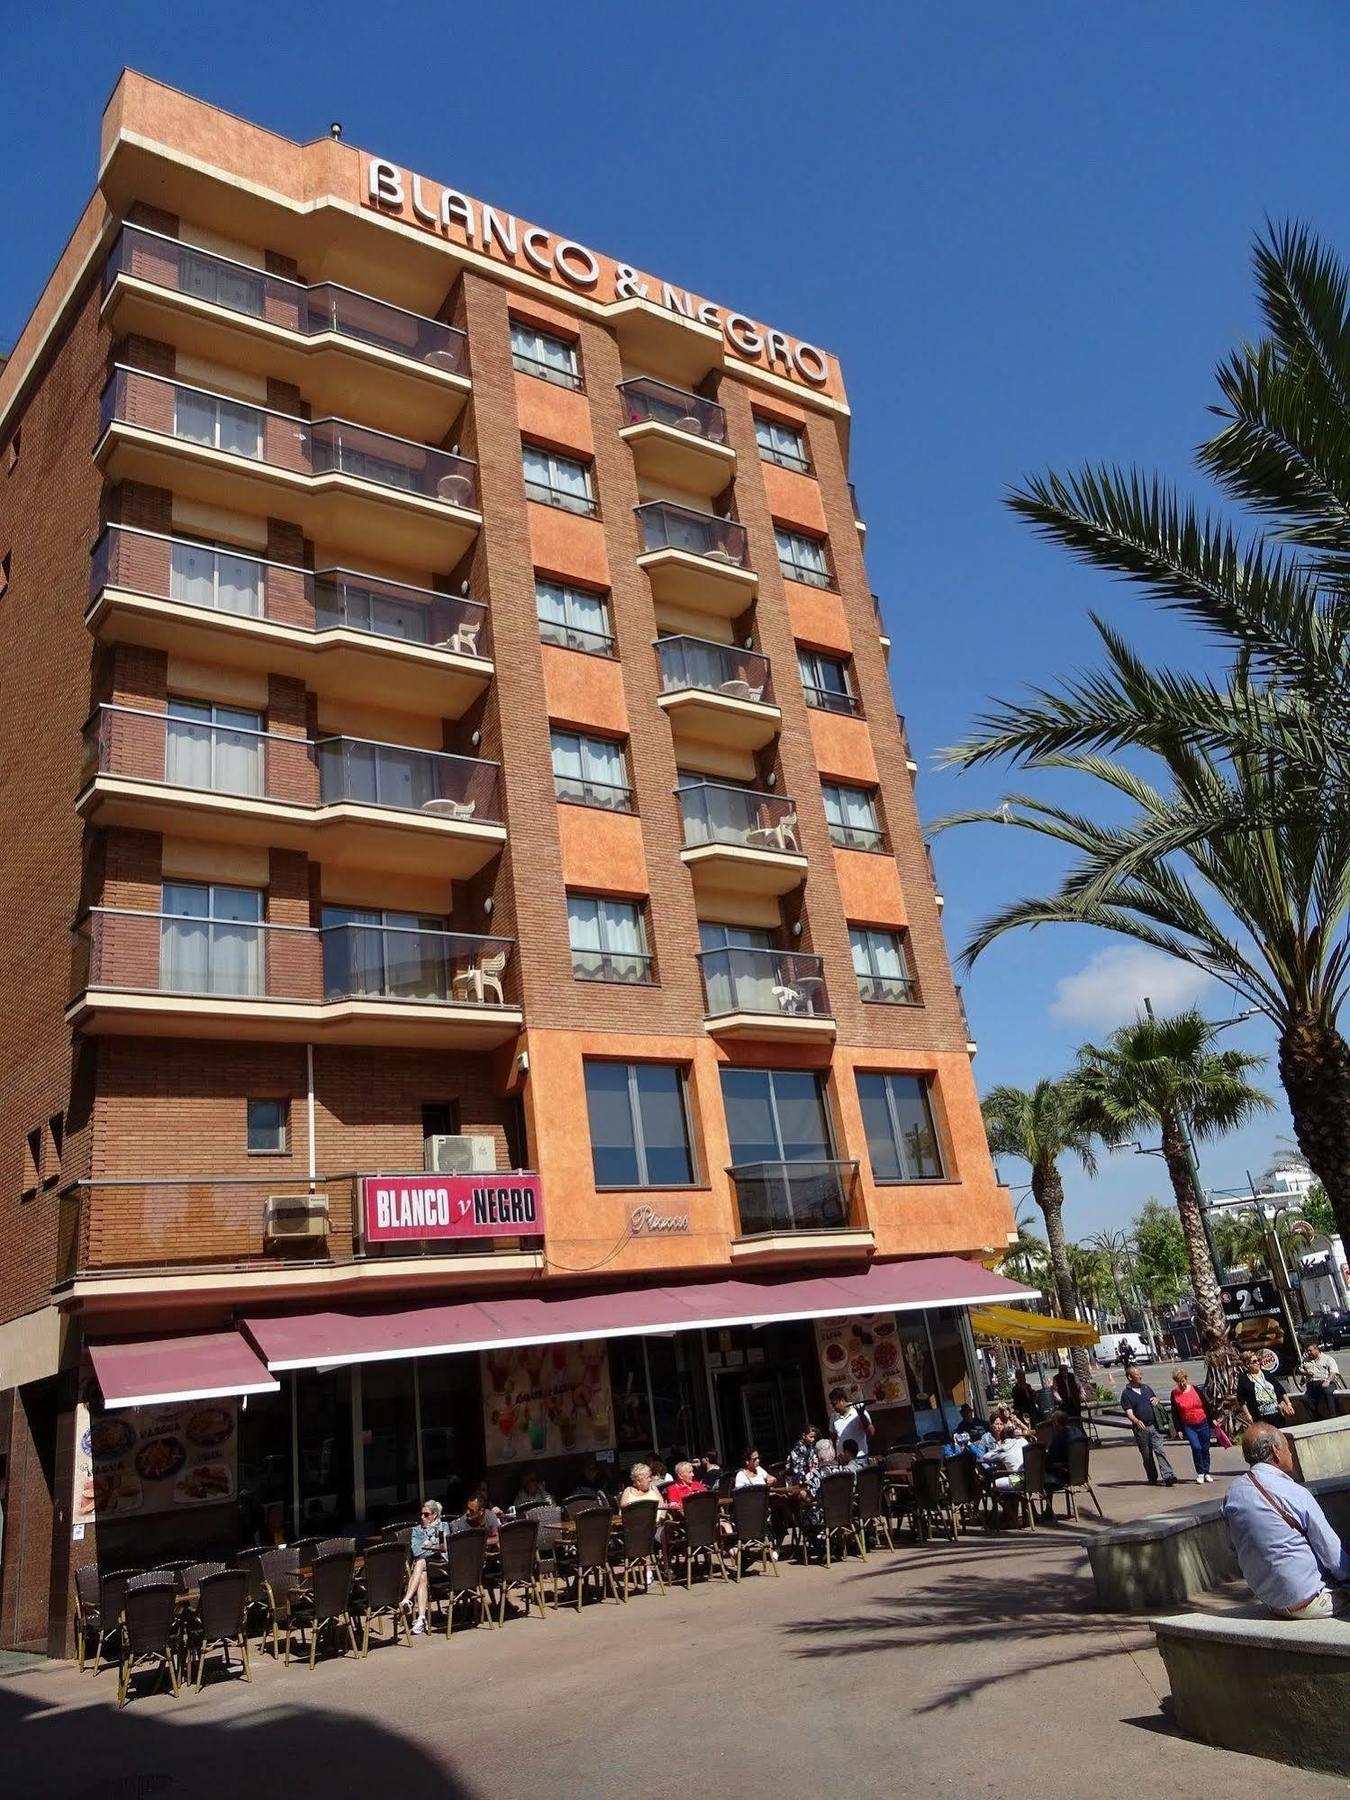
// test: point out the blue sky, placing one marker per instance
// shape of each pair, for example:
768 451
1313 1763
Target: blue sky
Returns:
1025 230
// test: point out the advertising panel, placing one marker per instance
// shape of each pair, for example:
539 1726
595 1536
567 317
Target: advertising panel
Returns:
862 1355
547 1400
419 1208
142 1460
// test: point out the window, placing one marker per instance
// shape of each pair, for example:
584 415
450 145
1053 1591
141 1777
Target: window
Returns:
898 1119
803 558
825 681
608 939
227 284
556 480
740 968
852 816
267 1127
220 424
781 444
776 1116
213 748
534 352
375 953
576 618
211 575
211 939
639 1125
440 1118
4 573
590 771
881 966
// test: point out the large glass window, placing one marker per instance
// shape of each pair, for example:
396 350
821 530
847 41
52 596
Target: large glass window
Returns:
557 480
781 444
209 575
852 816
590 771
220 424
639 1125
382 954
803 558
776 1115
213 748
575 618
535 352
389 1440
880 963
225 283
211 939
825 681
734 982
608 939
898 1117
323 1435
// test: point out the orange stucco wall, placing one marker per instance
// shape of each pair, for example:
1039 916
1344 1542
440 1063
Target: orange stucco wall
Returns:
817 618
584 690
554 415
794 499
602 850
567 545
869 888
843 747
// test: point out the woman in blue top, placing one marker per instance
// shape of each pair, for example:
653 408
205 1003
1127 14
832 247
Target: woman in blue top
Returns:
426 1537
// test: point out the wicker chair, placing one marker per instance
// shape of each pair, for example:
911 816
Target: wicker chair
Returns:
280 1573
332 1546
1078 1480
871 1509
588 1555
112 1593
836 1497
85 1615
701 1539
932 1506
465 1558
386 1576
326 1602
146 1633
750 1523
964 1489
219 1619
518 1570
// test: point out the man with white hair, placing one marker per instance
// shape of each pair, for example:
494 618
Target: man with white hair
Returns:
1284 1544
683 1485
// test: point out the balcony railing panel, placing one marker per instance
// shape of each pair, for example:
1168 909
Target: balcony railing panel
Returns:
776 983
778 1197
238 428
712 668
666 526
717 814
580 790
856 837
326 307
830 699
392 775
631 966
646 400
889 990
232 581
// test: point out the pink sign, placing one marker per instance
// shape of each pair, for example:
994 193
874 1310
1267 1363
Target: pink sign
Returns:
414 1208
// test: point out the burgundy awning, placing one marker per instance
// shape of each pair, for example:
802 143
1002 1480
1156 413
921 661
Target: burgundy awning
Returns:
209 1365
307 1340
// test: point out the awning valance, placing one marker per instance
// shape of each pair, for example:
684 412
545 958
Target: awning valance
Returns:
208 1365
1034 1331
313 1339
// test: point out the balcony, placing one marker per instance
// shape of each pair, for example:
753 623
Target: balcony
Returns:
796 1211
765 994
857 512
696 561
740 840
716 694
678 439
881 624
351 802
150 974
346 635
971 1046
344 485
910 763
347 350
939 899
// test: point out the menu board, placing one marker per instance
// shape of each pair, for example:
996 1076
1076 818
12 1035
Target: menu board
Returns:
1255 1321
862 1355
547 1400
141 1460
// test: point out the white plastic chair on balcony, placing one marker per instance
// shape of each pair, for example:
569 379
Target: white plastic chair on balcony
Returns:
741 690
782 836
456 490
463 640
474 982
443 359
690 423
450 809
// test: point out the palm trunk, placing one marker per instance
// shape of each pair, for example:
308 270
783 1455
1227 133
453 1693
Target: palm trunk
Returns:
1220 1356
1315 1070
1047 1190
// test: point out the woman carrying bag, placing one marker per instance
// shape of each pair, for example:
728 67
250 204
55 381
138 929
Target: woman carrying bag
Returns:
1262 1396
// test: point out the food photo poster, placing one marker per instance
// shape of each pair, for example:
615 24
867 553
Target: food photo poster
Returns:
862 1356
142 1460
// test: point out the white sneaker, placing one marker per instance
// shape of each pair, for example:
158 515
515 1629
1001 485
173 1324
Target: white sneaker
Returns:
1199 1481
419 1625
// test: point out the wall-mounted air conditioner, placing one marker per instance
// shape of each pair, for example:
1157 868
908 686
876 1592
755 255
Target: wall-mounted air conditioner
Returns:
460 1155
287 1217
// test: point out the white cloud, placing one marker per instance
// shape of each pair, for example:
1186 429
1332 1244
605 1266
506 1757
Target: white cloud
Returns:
1109 989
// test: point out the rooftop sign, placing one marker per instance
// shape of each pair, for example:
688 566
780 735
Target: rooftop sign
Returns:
502 237
413 1208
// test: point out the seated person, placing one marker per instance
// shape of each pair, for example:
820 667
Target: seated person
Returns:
533 1492
1321 1374
1059 1428
750 1474
427 1537
800 1457
683 1485
1067 1390
661 1475
642 1487
1290 1557
827 1463
971 1423
709 1467
588 1488
1261 1396
477 1516
1010 1450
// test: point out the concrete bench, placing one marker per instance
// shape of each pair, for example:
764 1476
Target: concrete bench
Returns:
1245 1680
1321 1448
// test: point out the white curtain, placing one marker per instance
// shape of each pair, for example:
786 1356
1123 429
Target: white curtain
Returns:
215 748
211 942
194 416
238 584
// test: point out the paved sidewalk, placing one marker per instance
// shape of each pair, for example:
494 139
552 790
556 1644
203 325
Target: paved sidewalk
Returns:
974 1668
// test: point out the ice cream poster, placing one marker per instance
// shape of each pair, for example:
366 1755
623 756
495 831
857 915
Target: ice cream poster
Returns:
862 1355
549 1400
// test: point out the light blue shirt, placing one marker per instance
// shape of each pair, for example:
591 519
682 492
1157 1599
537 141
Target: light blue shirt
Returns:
1283 1567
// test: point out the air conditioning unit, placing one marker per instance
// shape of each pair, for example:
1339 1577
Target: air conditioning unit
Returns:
287 1217
459 1155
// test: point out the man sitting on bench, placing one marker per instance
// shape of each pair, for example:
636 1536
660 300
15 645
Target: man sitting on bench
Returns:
1285 1547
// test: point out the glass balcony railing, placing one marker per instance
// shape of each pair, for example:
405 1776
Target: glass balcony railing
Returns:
888 990
714 813
252 587
774 1197
216 958
307 447
846 836
309 311
631 966
829 699
648 401
776 983
712 668
229 756
581 790
666 526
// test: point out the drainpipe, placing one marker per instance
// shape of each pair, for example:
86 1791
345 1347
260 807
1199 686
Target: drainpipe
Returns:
309 1113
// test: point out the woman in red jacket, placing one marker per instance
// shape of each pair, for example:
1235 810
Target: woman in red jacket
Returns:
1188 1412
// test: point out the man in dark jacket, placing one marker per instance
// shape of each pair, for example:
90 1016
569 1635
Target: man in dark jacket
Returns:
1139 1404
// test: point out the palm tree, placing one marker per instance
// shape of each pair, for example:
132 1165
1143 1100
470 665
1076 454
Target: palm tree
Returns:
1091 1276
1040 1126
1240 1238
1237 857
1164 1075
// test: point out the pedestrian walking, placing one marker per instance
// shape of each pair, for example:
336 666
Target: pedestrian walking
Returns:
1139 1403
1191 1414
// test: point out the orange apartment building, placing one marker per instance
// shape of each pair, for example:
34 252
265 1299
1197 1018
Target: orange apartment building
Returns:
476 986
